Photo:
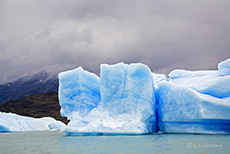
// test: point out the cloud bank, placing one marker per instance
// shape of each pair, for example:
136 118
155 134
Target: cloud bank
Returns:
56 35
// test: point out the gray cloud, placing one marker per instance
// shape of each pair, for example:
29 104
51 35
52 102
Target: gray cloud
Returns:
56 35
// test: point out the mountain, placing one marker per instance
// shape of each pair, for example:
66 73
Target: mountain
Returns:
41 82
37 105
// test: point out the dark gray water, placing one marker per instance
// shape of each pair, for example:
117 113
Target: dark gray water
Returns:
45 142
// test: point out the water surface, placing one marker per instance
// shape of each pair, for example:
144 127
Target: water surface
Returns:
46 142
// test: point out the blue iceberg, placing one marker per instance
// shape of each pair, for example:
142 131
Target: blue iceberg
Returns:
123 102
130 99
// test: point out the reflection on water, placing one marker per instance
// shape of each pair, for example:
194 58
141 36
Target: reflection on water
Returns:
56 142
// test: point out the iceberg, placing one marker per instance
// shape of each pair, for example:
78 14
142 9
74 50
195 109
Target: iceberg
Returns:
124 102
130 99
195 102
10 122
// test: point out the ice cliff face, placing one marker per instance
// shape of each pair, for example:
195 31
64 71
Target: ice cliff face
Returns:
129 99
79 93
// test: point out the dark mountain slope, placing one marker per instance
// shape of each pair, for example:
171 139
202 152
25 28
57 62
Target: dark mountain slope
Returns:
38 105
41 82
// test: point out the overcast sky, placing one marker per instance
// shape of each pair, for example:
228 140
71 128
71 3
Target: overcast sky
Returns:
56 35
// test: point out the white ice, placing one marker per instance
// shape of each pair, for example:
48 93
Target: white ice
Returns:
10 122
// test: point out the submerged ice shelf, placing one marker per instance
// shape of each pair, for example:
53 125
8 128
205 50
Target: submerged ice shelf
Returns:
129 99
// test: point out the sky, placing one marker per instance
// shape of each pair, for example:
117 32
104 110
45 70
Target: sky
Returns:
57 35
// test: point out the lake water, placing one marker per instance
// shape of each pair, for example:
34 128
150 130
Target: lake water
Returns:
46 142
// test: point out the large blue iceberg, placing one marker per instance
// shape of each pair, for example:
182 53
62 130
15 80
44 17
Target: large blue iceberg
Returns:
130 99
122 103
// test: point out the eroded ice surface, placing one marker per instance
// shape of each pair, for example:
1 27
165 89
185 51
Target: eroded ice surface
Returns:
10 122
127 102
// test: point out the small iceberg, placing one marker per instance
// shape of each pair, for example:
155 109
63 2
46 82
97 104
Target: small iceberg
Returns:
10 122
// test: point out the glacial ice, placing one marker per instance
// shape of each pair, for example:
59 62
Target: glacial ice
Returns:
224 67
127 94
10 122
79 92
127 102
129 99
194 102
